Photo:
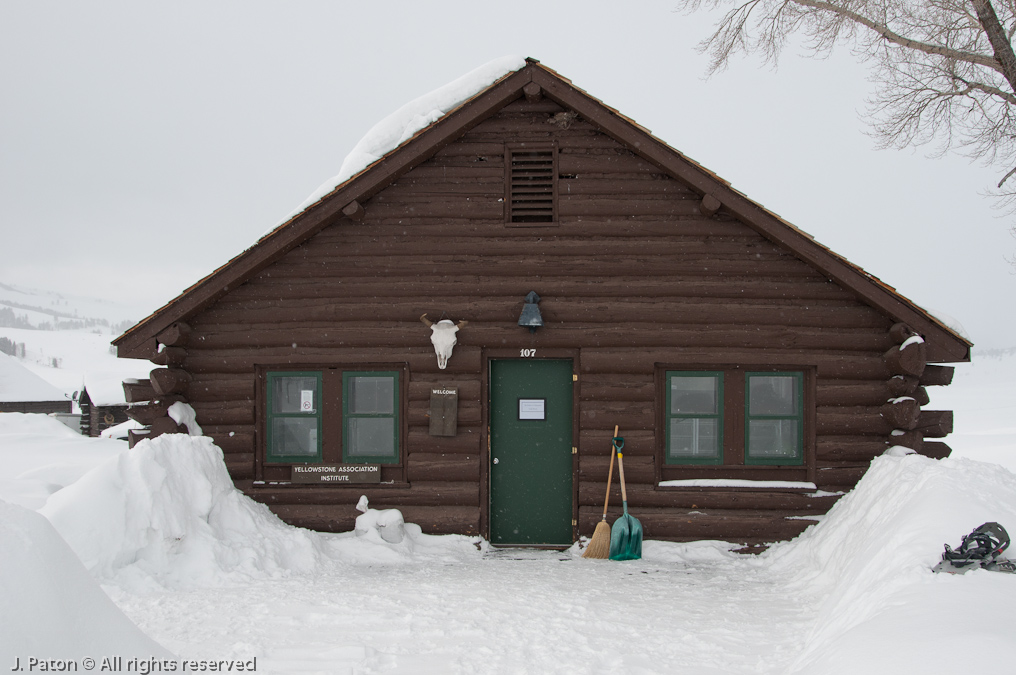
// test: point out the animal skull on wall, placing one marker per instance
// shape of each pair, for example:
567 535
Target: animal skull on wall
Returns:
443 336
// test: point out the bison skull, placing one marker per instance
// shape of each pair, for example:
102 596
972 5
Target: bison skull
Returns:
442 334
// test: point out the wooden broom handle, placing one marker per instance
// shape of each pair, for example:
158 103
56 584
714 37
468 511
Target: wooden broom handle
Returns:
610 474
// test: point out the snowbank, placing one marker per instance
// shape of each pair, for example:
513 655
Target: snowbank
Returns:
40 456
166 513
49 605
868 564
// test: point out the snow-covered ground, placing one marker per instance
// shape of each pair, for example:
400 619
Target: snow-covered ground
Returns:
208 574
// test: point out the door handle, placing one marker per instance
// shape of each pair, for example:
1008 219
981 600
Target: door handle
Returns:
495 460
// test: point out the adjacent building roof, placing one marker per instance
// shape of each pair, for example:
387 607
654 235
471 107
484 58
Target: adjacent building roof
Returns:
20 385
443 127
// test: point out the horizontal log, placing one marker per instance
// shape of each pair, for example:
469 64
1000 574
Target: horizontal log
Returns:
709 205
170 356
226 413
212 387
935 423
908 439
852 421
849 449
902 385
167 381
176 335
448 467
853 393
469 413
631 416
636 469
138 391
466 441
910 360
734 471
449 284
426 227
935 450
623 388
401 334
686 248
535 264
937 375
242 361
836 478
431 519
901 413
146 413
421 493
901 332
830 365
734 526
165 425
595 440
233 442
240 465
755 499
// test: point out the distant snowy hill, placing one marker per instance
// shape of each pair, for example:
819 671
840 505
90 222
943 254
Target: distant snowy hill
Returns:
30 308
65 340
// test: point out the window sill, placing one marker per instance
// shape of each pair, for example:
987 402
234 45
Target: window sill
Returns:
738 483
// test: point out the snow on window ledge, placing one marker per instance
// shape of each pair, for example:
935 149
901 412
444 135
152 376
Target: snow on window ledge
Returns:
739 483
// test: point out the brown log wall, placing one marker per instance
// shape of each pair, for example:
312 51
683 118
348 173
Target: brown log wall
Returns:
633 275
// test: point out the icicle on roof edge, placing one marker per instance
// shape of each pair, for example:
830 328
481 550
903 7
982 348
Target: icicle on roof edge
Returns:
404 123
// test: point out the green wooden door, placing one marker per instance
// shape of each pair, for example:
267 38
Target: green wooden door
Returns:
531 451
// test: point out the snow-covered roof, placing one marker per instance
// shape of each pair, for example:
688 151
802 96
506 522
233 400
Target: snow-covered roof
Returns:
20 385
404 123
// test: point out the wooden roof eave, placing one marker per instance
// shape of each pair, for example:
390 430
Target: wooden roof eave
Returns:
139 341
944 345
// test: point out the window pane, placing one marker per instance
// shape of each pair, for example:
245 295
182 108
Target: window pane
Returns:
294 395
371 437
294 437
693 438
773 438
772 395
372 395
693 394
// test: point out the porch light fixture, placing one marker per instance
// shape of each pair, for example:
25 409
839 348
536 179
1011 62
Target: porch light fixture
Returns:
530 317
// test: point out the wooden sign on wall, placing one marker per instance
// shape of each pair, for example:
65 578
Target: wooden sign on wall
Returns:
337 474
444 411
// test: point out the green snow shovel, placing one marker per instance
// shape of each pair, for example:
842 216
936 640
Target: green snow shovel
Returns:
626 534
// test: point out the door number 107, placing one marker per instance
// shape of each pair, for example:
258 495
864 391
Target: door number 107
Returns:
527 353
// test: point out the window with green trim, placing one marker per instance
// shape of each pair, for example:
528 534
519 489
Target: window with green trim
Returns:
695 417
774 419
733 417
370 416
294 417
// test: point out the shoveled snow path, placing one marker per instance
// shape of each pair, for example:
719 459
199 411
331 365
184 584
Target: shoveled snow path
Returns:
493 614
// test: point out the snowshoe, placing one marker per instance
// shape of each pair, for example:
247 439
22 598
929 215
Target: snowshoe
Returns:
978 550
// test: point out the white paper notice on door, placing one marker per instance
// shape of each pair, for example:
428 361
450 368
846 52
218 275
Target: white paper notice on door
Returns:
307 400
532 408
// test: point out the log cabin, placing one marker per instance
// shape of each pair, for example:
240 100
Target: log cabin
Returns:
577 273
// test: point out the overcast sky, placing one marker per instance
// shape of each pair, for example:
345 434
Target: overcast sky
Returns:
144 144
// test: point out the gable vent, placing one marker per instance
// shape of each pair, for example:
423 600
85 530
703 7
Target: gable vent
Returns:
532 185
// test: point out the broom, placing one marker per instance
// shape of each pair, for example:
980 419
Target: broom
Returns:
599 545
